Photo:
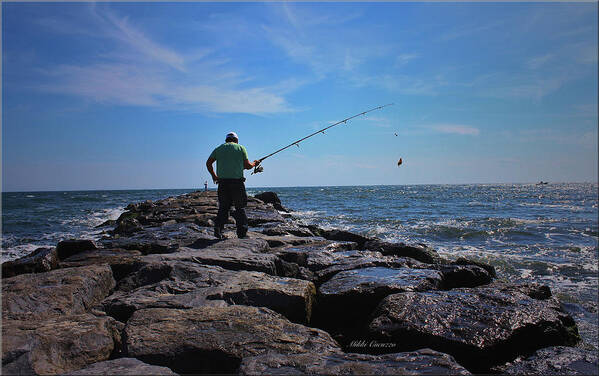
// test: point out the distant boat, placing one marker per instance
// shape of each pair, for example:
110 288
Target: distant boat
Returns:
542 183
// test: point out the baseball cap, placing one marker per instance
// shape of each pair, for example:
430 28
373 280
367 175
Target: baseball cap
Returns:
232 135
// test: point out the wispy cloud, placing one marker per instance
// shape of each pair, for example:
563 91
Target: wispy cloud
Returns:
538 61
140 71
457 129
403 59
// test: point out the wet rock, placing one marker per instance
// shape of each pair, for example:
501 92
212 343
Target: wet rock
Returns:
455 276
215 339
349 297
533 290
275 241
108 223
122 366
187 285
558 360
39 261
164 239
271 198
287 229
314 256
479 327
127 226
464 261
263 214
57 345
55 293
418 252
67 248
233 254
421 362
360 260
121 261
341 235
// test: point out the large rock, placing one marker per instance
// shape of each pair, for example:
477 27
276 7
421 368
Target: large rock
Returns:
421 362
347 299
39 261
275 241
461 275
464 261
479 327
67 248
271 198
188 285
122 366
314 256
121 261
362 259
262 214
232 254
164 239
341 235
216 339
57 345
558 360
418 252
278 229
55 293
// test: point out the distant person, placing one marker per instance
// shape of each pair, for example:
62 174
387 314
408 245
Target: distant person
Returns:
231 159
206 186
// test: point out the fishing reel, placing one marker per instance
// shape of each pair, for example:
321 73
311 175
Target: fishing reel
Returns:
257 169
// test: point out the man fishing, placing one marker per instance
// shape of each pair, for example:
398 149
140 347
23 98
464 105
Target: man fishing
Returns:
231 159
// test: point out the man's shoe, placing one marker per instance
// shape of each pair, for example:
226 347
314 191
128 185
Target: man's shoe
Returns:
242 235
218 233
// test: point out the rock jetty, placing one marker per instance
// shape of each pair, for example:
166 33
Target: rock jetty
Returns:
159 294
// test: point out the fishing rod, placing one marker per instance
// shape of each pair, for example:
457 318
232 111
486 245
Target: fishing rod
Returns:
258 168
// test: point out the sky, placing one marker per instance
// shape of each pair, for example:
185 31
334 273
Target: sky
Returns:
136 95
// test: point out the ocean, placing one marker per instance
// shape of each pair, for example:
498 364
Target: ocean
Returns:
530 233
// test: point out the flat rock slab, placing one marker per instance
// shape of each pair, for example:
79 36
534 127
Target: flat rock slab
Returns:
275 241
163 239
349 297
380 280
479 327
558 360
314 256
232 258
360 260
122 366
421 362
57 345
121 261
187 285
58 292
39 261
287 229
216 339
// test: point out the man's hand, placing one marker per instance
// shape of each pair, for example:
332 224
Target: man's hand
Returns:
215 179
256 163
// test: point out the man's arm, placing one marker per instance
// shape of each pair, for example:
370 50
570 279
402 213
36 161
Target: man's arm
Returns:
249 165
209 164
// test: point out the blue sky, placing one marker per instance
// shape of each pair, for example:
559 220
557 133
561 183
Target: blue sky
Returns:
137 95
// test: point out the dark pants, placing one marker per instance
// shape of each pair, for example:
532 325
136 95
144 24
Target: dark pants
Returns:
232 192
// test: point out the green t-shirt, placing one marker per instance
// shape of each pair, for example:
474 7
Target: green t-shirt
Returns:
229 160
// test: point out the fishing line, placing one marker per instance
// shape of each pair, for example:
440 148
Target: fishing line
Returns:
258 168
